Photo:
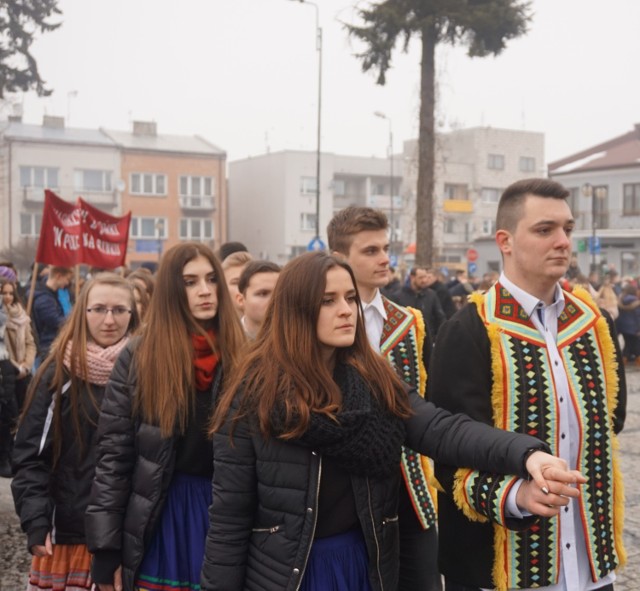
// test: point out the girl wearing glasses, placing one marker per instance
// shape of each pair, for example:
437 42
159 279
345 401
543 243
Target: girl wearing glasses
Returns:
55 447
307 448
148 515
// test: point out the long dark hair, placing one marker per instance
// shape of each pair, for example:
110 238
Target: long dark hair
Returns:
164 358
284 364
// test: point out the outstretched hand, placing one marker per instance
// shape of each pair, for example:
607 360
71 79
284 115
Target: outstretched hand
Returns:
550 487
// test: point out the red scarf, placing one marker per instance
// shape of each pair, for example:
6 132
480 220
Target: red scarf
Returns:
204 361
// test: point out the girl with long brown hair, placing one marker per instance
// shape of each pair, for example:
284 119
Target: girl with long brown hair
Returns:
307 444
147 519
55 446
19 338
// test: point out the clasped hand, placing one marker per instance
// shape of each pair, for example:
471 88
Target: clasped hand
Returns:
551 487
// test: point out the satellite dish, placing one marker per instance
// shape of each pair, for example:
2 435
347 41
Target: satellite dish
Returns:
120 185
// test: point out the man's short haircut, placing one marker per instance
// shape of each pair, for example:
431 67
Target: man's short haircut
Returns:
512 200
350 221
228 248
253 268
63 271
236 259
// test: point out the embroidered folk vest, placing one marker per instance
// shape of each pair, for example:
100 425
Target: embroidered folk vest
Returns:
524 400
403 337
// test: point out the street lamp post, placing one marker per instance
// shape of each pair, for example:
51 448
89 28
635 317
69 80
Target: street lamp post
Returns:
319 50
595 193
160 233
392 234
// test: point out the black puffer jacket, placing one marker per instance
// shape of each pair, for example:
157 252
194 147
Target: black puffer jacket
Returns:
265 499
134 468
49 499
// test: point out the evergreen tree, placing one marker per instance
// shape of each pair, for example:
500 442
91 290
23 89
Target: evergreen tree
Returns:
20 22
484 26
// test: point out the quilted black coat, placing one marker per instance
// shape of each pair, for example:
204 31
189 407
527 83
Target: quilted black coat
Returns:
265 498
134 468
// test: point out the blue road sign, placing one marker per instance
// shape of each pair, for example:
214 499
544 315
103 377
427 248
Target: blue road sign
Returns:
594 245
393 260
472 268
316 244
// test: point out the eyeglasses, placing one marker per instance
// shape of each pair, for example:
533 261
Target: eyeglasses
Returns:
117 311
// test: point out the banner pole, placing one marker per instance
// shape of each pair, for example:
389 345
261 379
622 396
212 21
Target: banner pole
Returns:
77 281
34 278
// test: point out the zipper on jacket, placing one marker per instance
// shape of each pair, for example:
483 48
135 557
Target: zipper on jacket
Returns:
315 521
375 537
269 530
387 520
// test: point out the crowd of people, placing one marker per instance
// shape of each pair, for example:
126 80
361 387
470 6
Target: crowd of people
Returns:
225 423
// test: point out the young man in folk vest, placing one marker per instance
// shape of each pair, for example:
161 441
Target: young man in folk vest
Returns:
360 236
527 356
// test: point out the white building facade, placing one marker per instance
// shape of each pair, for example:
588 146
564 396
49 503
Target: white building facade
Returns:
272 197
612 168
473 167
71 162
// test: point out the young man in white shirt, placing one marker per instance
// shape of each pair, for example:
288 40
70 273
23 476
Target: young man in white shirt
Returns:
528 357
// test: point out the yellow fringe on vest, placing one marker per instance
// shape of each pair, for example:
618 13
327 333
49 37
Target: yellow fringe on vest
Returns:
460 499
612 388
499 573
421 335
425 462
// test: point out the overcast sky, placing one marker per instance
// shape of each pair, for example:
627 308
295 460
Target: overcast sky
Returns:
243 74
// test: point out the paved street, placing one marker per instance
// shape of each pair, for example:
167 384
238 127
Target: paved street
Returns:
14 560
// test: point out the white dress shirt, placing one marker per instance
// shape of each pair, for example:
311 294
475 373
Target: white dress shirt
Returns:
374 318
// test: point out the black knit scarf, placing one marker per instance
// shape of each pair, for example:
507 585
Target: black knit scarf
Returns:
365 439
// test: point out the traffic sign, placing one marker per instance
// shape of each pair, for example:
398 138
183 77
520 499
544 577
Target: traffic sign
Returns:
594 245
472 255
472 268
393 260
316 244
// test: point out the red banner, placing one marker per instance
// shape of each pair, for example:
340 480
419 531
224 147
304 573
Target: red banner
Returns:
81 233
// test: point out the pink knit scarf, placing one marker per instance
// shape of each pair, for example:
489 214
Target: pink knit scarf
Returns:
100 361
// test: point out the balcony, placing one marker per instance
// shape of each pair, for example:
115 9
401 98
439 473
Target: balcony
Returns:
33 195
457 206
384 202
198 203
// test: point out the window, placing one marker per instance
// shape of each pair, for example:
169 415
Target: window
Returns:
196 229
196 186
452 191
307 222
574 201
449 226
496 162
144 183
38 176
30 224
308 185
338 187
379 189
144 227
98 181
490 195
197 192
527 164
488 227
631 199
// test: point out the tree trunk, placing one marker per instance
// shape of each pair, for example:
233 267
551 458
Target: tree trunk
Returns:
426 151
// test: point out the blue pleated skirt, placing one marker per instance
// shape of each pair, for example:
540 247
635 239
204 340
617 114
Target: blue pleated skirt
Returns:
338 563
174 558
